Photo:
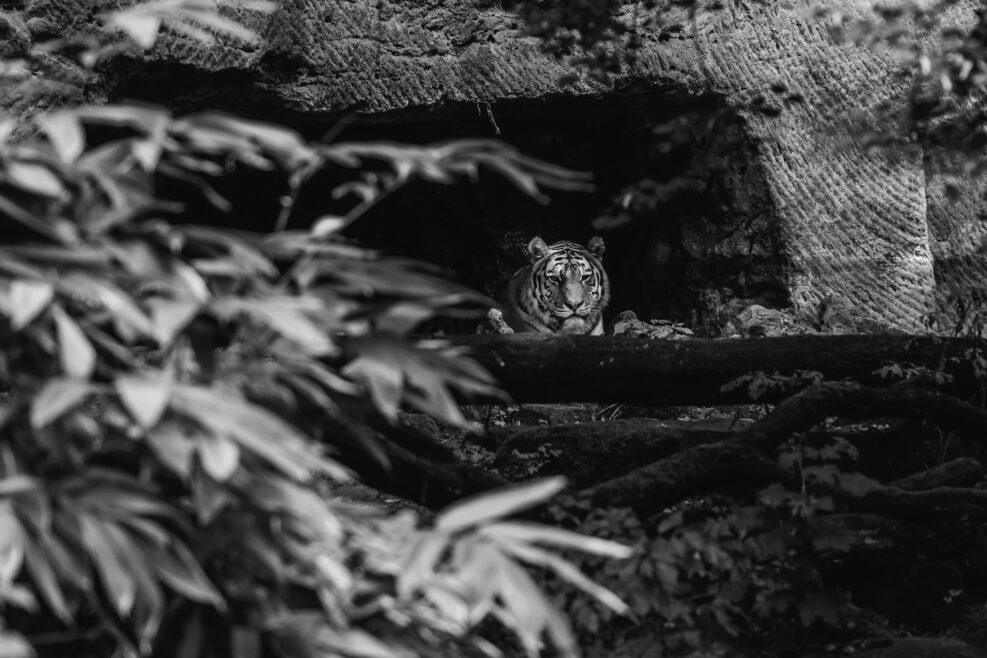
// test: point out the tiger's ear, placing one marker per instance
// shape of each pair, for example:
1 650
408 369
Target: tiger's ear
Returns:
537 249
596 247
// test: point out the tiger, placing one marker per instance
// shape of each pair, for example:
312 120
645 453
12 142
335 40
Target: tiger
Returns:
564 289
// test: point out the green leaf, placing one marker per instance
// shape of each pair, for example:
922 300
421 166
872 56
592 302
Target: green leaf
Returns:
147 120
56 398
109 552
534 533
18 484
173 446
254 428
149 605
142 28
65 134
327 226
566 571
75 352
70 564
208 497
312 630
27 300
145 398
15 645
7 125
11 545
43 575
424 375
147 152
524 608
288 316
128 319
219 456
356 643
171 316
487 506
420 564
34 178
181 572
383 379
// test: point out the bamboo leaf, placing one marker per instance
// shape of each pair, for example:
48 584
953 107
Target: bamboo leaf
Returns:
75 352
11 545
56 398
421 562
110 558
141 28
34 178
173 446
169 317
46 581
566 571
219 456
145 398
476 510
15 645
149 606
532 533
27 300
383 379
65 134
181 572
255 429
356 643
18 484
208 497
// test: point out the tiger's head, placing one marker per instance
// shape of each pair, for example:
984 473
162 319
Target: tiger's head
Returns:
569 285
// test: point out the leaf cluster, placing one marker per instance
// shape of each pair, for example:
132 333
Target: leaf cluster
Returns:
162 380
715 577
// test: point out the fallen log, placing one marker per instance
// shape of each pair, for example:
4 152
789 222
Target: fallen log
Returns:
587 453
962 472
931 504
665 482
560 368
698 470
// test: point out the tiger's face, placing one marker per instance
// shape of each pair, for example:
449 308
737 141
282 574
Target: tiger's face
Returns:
569 284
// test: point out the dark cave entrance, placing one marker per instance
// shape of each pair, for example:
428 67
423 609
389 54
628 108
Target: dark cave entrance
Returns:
694 234
691 234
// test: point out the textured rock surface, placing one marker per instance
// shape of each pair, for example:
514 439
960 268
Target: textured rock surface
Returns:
855 227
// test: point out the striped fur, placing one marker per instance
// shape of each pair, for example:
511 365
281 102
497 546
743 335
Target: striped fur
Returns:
564 289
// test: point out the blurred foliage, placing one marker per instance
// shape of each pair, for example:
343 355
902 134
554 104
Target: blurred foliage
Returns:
160 380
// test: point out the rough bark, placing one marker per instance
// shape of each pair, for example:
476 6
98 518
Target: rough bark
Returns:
962 472
930 505
654 487
556 368
713 467
588 453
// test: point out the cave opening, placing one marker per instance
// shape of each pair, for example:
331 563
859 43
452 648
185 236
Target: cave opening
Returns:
679 200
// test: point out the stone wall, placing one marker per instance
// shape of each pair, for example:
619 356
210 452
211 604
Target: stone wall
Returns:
854 227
